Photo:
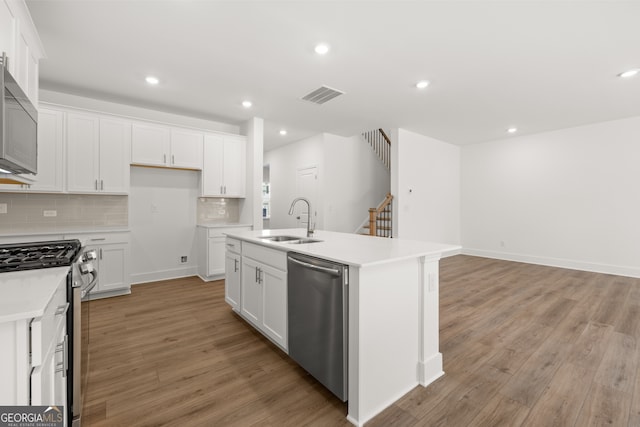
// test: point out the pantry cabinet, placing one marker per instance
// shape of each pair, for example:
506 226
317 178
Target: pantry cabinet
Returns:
97 154
224 169
162 146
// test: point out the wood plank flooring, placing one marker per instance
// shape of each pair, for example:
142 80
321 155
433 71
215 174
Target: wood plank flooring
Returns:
523 345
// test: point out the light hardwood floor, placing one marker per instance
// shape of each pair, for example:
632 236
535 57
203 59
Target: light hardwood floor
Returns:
523 345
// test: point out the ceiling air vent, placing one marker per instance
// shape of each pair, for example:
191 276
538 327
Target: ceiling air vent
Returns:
322 95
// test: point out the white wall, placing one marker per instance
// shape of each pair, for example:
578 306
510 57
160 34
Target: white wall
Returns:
251 205
284 163
162 219
426 187
568 198
356 180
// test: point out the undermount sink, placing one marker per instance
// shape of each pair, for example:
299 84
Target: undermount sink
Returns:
280 238
294 240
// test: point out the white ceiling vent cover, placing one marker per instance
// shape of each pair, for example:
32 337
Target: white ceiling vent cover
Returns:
322 95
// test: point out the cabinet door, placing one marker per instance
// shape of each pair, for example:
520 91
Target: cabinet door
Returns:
274 311
186 149
115 148
83 154
234 166
212 169
7 35
112 269
50 151
150 145
215 259
251 292
232 280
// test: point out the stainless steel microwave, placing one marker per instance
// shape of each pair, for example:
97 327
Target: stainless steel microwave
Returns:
18 127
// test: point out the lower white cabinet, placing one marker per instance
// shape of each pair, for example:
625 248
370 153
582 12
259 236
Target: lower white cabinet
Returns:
263 291
233 269
33 363
211 258
112 262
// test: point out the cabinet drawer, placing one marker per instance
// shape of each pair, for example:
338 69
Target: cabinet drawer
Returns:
233 245
99 239
272 257
44 329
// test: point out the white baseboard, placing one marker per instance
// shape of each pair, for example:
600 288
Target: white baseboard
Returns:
557 262
155 276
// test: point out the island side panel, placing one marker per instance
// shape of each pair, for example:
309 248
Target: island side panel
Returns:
384 324
430 358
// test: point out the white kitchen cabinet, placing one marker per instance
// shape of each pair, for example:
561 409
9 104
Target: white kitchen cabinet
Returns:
154 145
33 366
224 166
21 43
233 270
263 292
112 263
97 154
50 155
211 259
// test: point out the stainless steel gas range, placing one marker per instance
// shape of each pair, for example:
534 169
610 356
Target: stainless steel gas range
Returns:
82 277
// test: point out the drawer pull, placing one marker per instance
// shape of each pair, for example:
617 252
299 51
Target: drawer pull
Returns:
62 309
98 239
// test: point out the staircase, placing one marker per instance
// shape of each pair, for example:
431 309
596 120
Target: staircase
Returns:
379 222
381 145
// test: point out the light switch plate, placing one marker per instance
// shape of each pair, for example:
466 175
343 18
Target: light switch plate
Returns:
50 213
3 208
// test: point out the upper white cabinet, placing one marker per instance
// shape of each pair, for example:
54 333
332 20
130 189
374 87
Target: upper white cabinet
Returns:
50 155
21 43
97 154
154 145
223 172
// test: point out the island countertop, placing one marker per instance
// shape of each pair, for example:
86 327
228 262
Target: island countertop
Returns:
346 248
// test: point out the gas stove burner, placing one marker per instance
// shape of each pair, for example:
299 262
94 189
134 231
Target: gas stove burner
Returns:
35 255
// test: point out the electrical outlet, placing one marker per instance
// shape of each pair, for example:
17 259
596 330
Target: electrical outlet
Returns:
183 258
50 213
3 208
502 243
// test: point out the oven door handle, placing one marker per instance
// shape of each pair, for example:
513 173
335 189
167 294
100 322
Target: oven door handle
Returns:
91 285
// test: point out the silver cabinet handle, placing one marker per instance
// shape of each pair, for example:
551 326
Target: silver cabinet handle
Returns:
96 184
256 274
173 159
100 253
221 190
164 159
101 184
62 309
98 239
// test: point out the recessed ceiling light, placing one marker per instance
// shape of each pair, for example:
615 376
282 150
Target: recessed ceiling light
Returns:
283 131
629 73
246 104
422 84
512 130
322 48
152 80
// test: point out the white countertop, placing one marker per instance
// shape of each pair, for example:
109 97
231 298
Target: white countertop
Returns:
25 294
226 225
352 249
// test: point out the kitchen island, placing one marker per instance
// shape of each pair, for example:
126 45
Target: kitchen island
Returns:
393 320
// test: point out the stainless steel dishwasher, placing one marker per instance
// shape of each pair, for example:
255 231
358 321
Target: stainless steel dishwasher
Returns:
318 300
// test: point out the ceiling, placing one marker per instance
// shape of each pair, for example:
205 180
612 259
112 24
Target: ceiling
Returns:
535 65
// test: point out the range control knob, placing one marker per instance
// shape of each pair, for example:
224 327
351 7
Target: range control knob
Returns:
89 256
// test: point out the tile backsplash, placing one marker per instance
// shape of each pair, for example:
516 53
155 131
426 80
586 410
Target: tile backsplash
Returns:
218 210
34 212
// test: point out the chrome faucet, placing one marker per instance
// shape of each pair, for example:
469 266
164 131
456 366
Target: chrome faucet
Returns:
309 215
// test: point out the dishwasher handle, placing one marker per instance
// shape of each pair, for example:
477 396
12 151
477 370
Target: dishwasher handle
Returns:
332 271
